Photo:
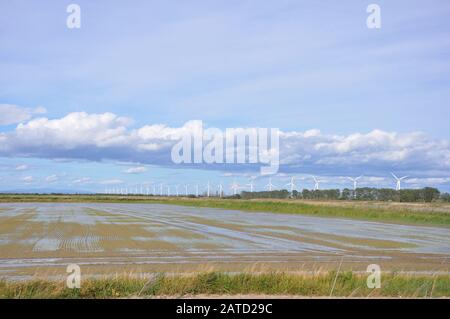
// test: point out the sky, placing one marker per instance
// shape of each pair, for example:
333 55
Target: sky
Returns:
100 106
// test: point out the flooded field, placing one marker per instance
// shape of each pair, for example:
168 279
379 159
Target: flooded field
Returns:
43 238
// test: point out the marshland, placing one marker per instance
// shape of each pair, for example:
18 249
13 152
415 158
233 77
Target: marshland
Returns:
185 246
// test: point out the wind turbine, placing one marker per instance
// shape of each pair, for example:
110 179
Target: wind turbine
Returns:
220 190
270 185
207 189
399 181
292 185
316 183
161 189
235 186
186 190
154 189
196 190
168 190
251 184
176 189
355 181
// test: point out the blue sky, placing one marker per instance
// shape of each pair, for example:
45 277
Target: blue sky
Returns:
301 66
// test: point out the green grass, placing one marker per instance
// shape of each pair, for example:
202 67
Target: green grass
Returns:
346 284
394 215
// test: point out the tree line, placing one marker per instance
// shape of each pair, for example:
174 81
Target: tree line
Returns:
427 194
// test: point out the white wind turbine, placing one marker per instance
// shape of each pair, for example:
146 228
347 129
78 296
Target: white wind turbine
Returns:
176 189
220 189
168 190
399 181
161 189
208 187
316 183
251 184
270 186
235 186
355 181
186 190
291 184
196 190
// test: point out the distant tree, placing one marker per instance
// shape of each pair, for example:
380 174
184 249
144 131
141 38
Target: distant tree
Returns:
430 194
346 194
306 194
445 197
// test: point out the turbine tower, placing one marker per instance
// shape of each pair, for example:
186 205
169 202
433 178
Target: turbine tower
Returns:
270 185
399 181
196 190
220 190
208 186
355 181
316 183
186 190
235 186
251 184
291 184
176 189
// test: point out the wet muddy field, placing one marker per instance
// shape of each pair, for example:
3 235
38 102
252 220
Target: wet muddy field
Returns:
41 239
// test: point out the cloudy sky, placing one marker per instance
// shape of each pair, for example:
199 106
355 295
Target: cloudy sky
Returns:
100 106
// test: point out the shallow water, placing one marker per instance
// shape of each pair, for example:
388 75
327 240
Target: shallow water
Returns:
48 233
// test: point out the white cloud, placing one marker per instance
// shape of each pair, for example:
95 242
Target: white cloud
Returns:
28 179
108 136
51 178
135 170
83 180
11 114
73 130
21 167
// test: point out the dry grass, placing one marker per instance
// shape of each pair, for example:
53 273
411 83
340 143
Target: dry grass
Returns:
319 284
